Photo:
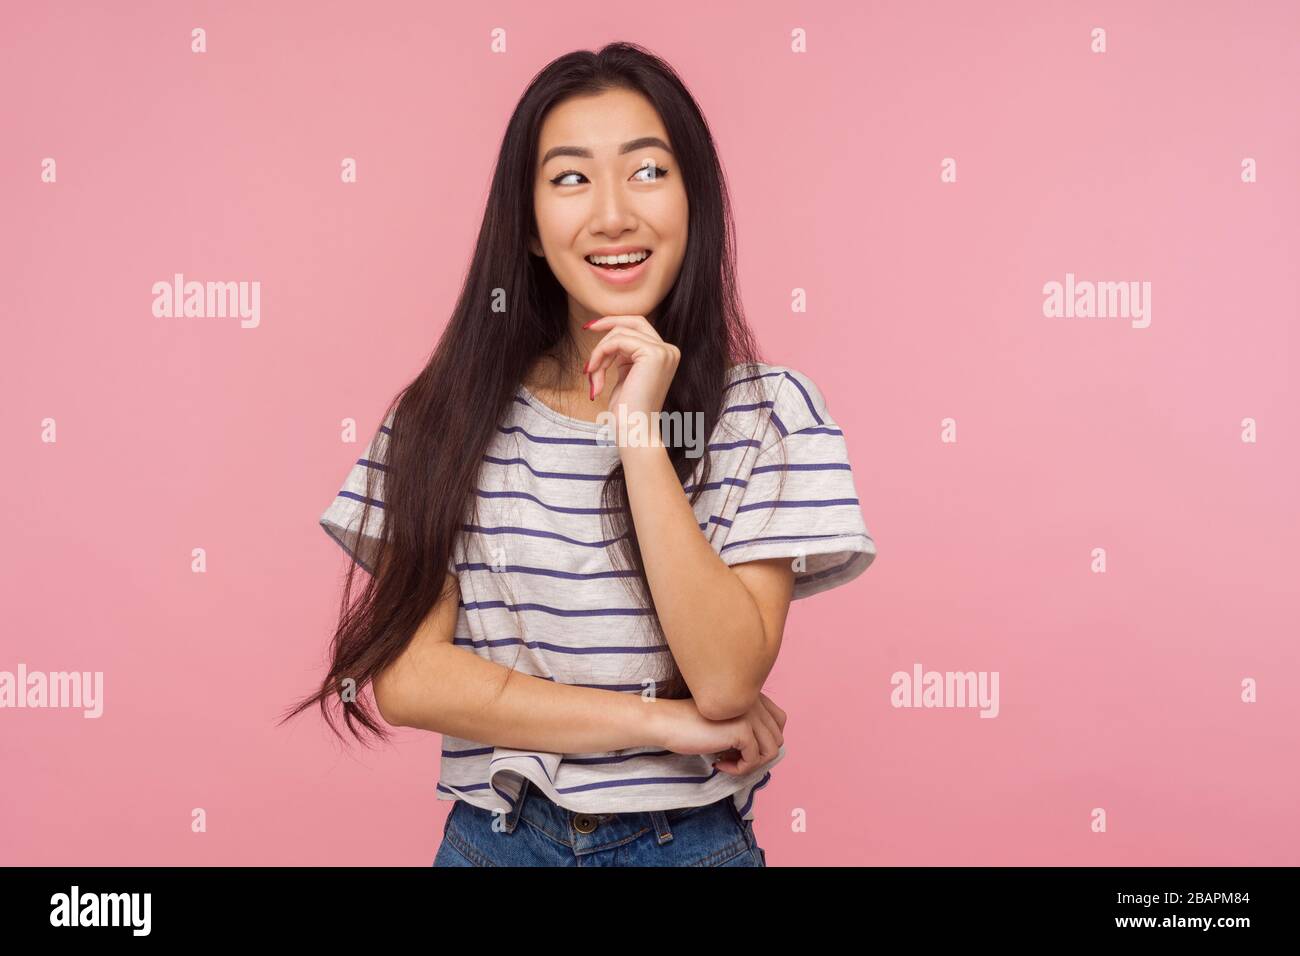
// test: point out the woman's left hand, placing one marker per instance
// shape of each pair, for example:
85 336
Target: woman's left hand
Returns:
645 362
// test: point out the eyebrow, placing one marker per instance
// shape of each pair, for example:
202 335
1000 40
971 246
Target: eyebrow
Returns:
643 143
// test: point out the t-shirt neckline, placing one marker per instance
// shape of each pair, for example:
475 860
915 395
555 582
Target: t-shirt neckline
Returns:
577 423
547 412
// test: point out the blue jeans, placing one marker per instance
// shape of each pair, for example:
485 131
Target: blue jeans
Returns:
537 832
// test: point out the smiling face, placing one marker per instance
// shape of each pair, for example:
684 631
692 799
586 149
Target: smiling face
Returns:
610 206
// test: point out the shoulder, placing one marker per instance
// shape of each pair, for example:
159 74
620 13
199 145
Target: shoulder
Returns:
384 433
377 451
795 400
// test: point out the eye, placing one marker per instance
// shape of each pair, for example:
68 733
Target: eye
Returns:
565 175
652 166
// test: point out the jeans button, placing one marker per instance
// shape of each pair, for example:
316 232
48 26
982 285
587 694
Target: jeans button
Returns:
584 822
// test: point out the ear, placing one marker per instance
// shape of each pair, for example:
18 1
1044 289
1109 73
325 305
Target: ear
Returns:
535 247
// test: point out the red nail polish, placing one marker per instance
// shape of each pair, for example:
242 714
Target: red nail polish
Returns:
588 324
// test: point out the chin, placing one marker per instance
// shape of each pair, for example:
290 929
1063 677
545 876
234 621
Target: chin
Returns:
630 303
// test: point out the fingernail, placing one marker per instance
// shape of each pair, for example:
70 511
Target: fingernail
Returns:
588 323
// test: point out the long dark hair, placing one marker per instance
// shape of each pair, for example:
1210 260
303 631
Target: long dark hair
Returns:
445 418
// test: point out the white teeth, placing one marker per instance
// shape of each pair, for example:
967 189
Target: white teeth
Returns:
622 259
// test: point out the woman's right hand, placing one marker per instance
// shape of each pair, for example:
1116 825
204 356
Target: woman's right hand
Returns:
743 743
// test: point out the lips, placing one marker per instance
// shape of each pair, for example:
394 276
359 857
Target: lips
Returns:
622 258
619 274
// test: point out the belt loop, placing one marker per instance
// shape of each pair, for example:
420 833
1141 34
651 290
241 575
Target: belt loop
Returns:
512 818
659 820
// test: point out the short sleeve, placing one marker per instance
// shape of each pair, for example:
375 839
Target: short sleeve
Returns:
364 483
799 500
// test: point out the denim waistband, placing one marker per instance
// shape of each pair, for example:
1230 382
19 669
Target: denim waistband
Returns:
603 830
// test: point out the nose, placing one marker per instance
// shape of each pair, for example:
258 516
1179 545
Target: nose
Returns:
612 211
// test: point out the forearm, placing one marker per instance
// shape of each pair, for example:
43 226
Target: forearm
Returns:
448 690
711 622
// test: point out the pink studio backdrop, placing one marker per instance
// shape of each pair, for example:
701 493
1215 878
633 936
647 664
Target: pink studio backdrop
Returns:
1120 691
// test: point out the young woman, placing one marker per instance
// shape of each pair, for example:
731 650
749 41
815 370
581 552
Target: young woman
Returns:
585 520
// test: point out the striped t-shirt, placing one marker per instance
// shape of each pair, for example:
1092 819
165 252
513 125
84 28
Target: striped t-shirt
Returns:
539 592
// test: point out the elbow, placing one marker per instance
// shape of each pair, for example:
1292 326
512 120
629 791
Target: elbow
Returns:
734 692
388 700
723 703
730 695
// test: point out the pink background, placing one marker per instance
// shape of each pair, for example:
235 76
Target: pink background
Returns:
1119 691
